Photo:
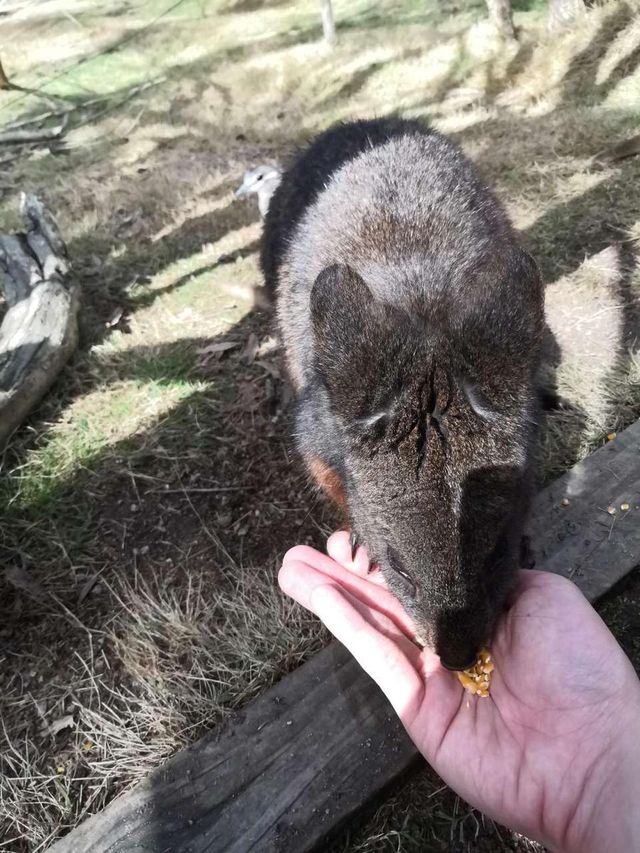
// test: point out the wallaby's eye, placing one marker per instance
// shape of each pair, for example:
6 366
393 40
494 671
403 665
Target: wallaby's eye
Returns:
479 402
373 420
398 568
372 428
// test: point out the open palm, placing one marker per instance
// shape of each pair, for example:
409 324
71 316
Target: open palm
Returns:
543 752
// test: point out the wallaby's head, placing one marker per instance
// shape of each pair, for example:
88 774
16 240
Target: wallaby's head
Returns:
435 410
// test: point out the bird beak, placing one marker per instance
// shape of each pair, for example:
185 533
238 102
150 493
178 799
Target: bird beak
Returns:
242 190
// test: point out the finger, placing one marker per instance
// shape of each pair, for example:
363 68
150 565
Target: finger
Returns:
339 549
384 625
377 652
299 574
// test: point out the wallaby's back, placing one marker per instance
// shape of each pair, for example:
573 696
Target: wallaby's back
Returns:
403 207
308 175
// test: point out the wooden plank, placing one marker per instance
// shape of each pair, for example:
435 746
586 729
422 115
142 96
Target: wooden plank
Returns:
292 766
582 540
302 759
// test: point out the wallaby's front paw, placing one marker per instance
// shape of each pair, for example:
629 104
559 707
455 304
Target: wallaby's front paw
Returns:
354 542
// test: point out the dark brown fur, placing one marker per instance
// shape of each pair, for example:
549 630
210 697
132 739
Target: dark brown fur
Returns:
412 321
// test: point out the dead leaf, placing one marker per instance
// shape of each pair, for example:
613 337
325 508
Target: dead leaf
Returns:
272 369
87 587
130 225
62 723
250 349
249 397
269 346
115 318
626 148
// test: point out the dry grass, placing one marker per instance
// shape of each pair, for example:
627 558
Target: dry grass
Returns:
148 501
187 653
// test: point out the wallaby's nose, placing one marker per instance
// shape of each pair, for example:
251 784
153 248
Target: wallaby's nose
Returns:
459 636
458 664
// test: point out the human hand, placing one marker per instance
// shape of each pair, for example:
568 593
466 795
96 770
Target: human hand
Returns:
554 752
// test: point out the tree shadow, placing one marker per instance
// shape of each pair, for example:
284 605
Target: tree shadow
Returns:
353 84
108 260
580 77
243 6
147 258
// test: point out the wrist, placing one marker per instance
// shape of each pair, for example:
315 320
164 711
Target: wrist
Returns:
606 815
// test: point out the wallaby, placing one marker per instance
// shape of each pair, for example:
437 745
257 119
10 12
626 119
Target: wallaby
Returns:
412 321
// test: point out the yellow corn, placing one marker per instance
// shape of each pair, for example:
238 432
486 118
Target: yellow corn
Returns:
476 679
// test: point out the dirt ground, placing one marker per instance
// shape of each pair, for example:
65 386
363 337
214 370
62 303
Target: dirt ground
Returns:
147 503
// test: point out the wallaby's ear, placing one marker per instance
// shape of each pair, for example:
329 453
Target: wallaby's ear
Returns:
340 305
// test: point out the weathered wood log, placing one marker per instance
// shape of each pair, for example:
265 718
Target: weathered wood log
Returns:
305 757
586 525
22 137
39 330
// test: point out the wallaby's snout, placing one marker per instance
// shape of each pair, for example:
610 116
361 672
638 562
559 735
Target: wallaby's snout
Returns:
459 636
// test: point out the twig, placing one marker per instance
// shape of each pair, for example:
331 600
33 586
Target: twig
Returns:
201 491
21 137
7 85
75 20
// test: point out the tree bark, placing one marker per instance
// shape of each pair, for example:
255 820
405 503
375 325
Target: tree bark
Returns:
328 23
39 330
562 12
500 16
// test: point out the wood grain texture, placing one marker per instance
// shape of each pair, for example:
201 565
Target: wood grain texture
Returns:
583 540
285 772
39 330
302 759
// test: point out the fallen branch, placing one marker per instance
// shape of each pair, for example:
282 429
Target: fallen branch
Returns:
621 151
21 137
39 330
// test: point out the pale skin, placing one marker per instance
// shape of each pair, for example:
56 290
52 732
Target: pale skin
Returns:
554 752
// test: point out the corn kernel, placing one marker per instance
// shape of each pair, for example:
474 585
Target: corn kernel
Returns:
476 679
